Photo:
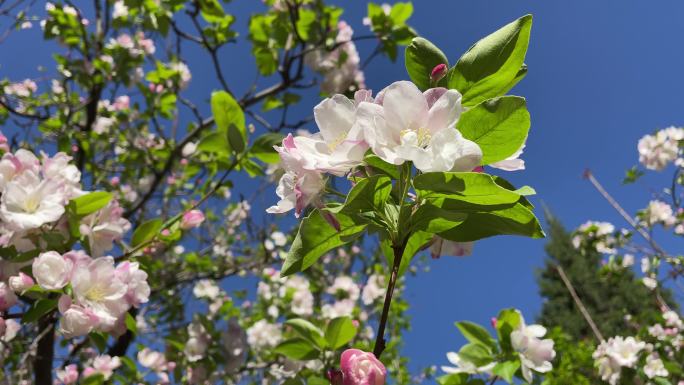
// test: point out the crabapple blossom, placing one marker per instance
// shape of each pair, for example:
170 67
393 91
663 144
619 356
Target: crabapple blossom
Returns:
615 353
659 212
361 368
658 150
152 359
206 288
135 279
263 335
21 282
442 247
28 202
51 270
77 321
374 289
512 163
298 187
654 367
439 72
535 353
68 375
465 366
198 342
340 67
192 219
7 297
345 287
342 308
98 287
103 364
418 127
104 227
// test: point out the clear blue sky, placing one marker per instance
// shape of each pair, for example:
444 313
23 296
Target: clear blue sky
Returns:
601 75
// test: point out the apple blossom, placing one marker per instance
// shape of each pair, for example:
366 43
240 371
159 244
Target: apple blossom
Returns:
103 364
198 342
439 72
659 212
98 287
361 368
654 367
104 227
342 308
68 375
152 359
512 163
464 366
374 289
77 321
263 335
21 282
298 187
658 150
7 297
192 219
206 288
418 127
535 353
135 280
28 202
51 270
442 247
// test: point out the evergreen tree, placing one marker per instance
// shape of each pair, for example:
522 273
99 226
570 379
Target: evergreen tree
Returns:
608 297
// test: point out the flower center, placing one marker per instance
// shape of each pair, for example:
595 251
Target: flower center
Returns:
419 138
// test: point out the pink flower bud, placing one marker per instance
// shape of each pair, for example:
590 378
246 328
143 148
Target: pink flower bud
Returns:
438 72
166 232
20 283
7 297
335 376
493 320
191 219
361 368
114 181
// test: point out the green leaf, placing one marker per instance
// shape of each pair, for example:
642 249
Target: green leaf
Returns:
476 353
421 58
39 309
499 126
94 379
401 12
417 240
453 379
308 331
506 370
381 166
263 150
510 220
317 381
215 142
433 219
368 194
316 237
91 202
146 232
507 321
339 332
471 187
297 349
476 334
494 64
237 142
227 112
131 324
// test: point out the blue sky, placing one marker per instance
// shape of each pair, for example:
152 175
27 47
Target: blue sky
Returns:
601 75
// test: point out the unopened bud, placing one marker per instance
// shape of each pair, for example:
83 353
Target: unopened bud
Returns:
335 377
438 72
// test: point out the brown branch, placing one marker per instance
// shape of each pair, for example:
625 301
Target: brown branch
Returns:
45 351
380 338
578 302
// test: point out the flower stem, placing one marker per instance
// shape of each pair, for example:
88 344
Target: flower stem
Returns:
380 338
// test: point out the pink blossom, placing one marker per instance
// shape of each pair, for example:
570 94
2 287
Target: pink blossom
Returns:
361 368
20 283
122 102
192 219
4 146
438 72
7 297
104 227
136 280
68 375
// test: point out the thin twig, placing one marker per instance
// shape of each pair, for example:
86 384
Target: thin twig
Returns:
579 303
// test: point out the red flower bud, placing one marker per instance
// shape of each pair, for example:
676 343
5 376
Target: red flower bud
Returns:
438 72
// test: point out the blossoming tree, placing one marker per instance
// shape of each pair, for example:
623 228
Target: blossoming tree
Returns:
124 229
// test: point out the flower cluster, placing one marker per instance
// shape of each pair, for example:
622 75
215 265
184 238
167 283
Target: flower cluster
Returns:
101 293
600 236
341 66
660 149
400 124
